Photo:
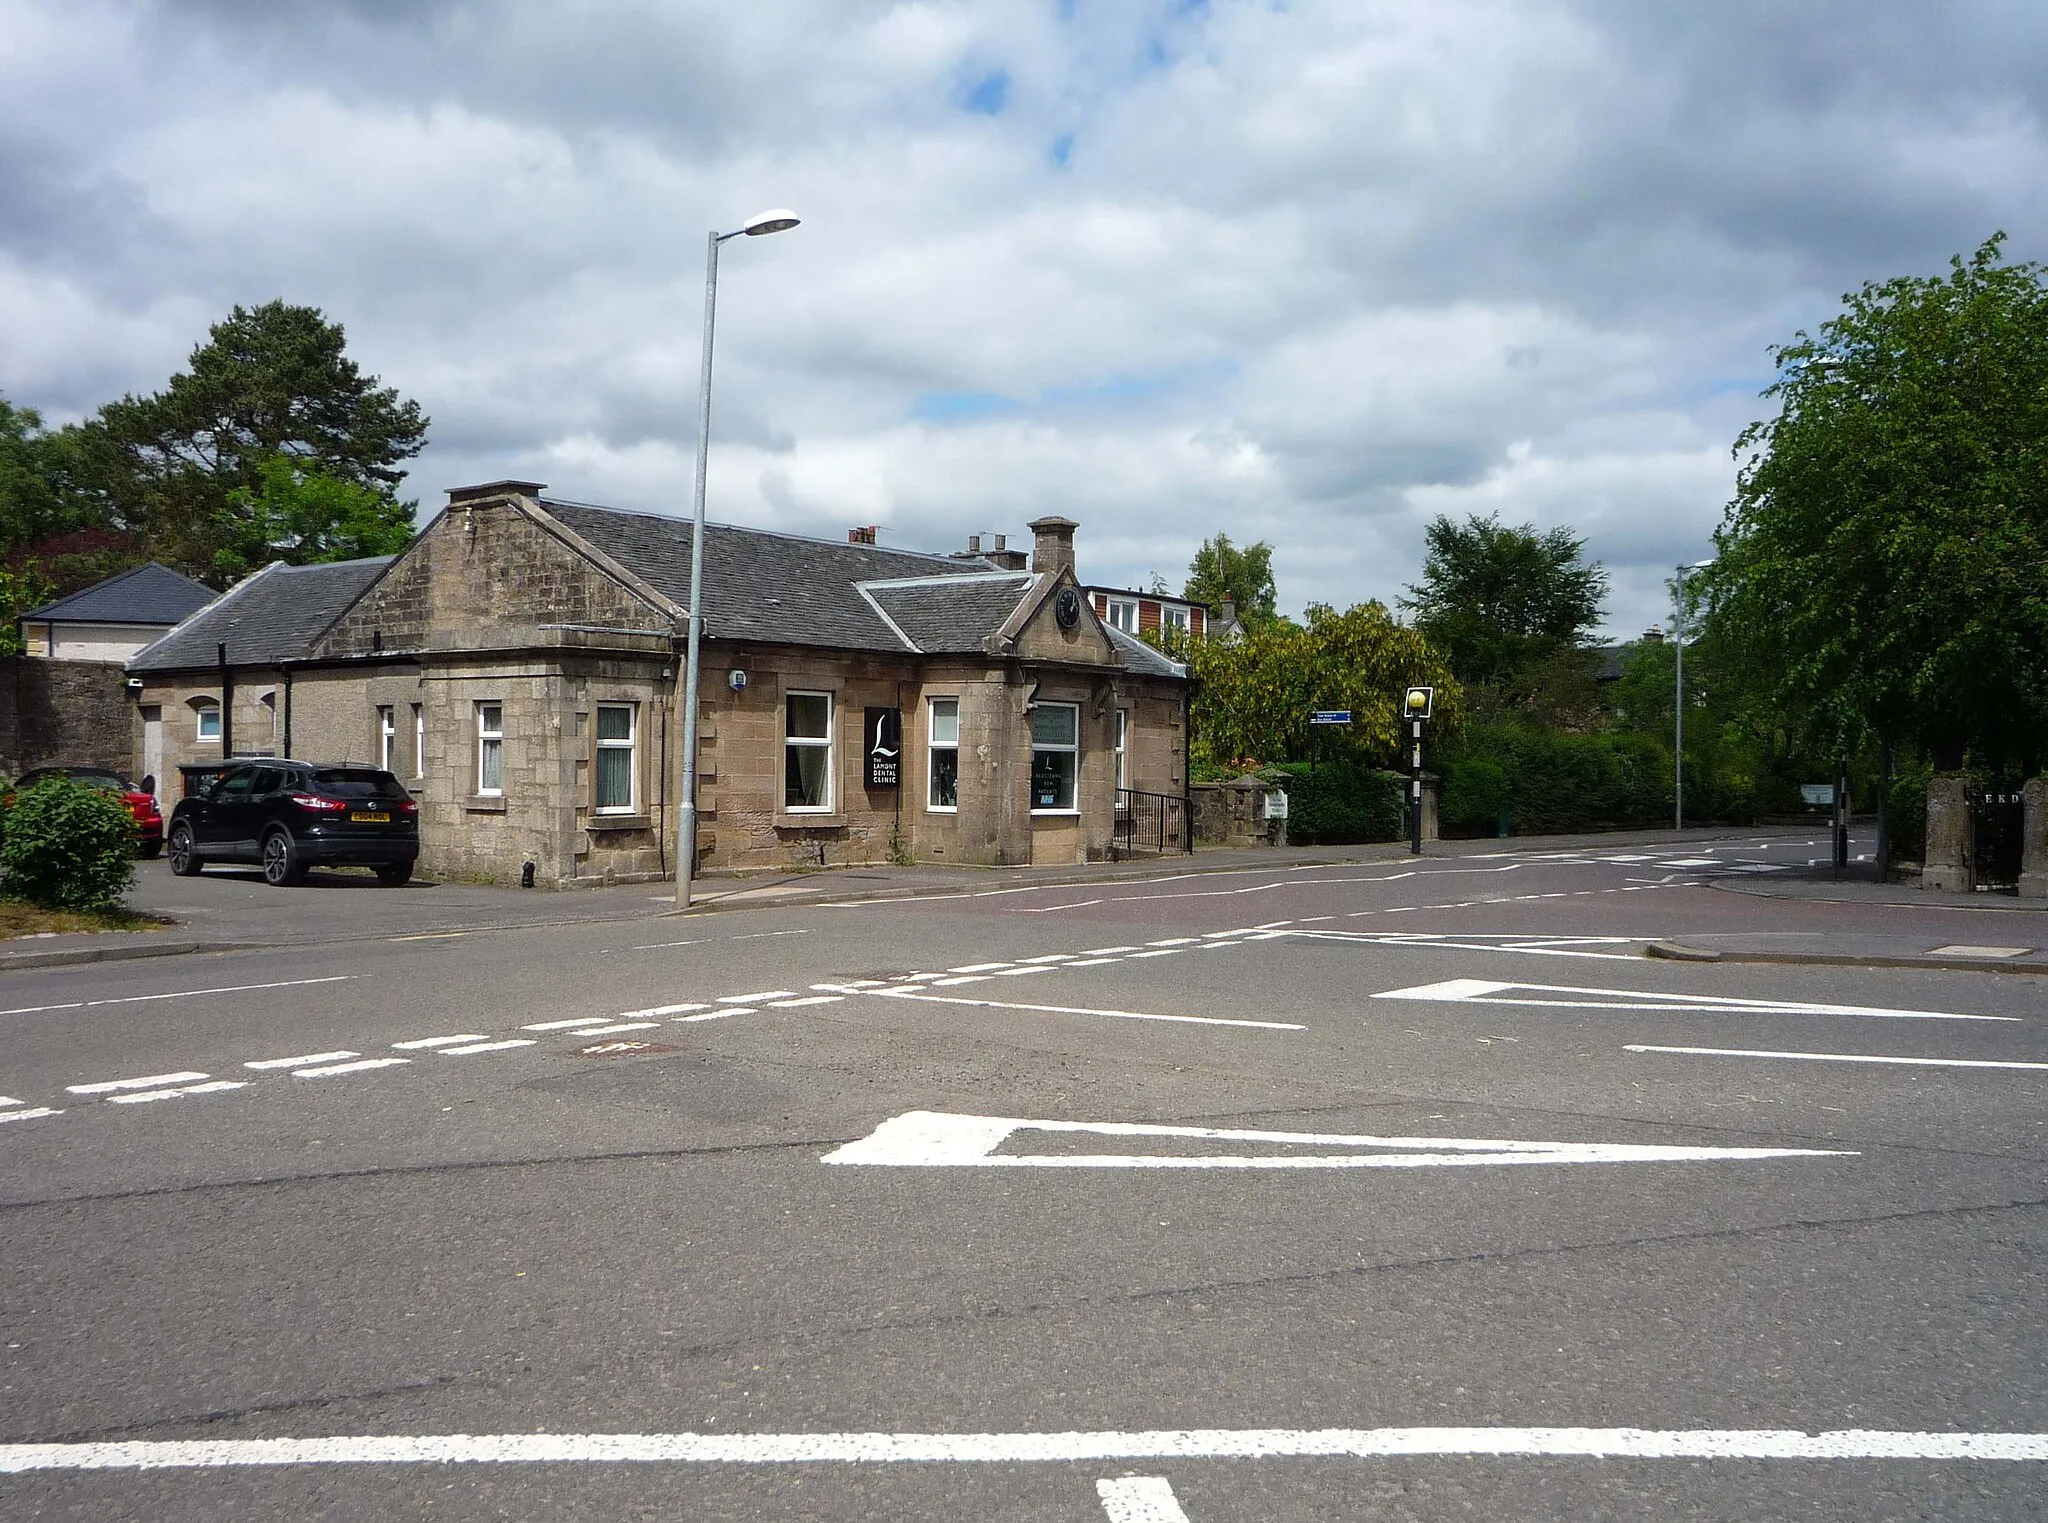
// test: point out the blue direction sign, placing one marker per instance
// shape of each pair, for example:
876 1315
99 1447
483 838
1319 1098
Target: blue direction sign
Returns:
1330 716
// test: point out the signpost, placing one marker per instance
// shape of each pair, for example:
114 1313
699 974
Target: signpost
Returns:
883 731
1330 716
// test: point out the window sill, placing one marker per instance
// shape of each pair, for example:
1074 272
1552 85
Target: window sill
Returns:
479 803
1055 814
619 822
942 809
792 819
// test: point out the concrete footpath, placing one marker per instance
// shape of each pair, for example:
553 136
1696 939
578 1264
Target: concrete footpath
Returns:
229 909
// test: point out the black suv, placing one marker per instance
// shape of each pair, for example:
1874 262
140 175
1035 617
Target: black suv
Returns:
292 815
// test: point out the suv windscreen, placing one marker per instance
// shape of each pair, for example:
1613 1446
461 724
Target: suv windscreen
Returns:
358 783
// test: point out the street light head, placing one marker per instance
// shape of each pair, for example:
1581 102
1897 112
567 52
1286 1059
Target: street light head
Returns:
778 221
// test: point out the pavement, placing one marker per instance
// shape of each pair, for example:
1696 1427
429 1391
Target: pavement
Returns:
1307 1190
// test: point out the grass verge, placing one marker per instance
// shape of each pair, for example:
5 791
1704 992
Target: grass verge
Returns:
18 918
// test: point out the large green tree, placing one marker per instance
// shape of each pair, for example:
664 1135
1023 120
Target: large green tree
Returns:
1504 602
1242 574
191 468
1884 564
1253 697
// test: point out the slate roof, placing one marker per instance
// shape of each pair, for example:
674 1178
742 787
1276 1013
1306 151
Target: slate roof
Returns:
1142 658
760 585
150 594
272 616
951 614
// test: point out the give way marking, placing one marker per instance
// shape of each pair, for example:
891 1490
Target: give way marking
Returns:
1480 991
937 1139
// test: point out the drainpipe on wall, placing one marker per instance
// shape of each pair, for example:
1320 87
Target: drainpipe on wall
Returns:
288 714
1187 763
227 703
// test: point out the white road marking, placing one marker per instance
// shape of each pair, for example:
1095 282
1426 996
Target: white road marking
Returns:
713 1015
1174 941
979 967
916 996
1976 951
150 1095
756 999
136 999
33 1115
1835 1057
1140 1499
463 1052
935 1139
1107 951
1020 972
1103 962
9 1100
438 1041
363 1066
965 978
1480 991
586 1020
1157 952
809 999
1026 1448
1049 957
616 1029
154 1081
652 1010
312 1057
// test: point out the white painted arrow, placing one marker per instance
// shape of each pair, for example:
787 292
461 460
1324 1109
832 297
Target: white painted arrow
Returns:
1480 991
936 1139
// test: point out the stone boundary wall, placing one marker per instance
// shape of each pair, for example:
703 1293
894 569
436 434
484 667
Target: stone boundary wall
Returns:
71 712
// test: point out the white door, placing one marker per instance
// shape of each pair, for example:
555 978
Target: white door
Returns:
153 750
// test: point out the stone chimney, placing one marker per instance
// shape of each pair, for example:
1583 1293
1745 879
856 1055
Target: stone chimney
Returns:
863 535
1052 548
486 490
1004 556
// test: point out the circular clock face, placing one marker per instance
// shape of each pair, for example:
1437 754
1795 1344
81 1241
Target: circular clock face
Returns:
1067 608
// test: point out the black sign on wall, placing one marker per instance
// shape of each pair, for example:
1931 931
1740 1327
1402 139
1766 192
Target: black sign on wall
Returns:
883 736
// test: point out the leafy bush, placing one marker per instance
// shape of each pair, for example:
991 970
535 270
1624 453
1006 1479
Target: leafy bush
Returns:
1905 812
1547 782
1341 802
68 847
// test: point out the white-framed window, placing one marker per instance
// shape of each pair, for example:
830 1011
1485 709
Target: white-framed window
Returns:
943 750
617 732
206 722
1123 614
1055 757
807 753
387 736
1173 618
490 750
1123 717
419 740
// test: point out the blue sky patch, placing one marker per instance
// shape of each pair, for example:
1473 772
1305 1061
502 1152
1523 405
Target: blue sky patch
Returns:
1063 149
959 406
989 94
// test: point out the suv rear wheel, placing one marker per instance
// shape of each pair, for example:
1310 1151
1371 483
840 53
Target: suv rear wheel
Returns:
394 874
185 861
281 864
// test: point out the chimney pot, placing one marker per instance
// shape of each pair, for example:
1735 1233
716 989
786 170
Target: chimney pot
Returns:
1052 547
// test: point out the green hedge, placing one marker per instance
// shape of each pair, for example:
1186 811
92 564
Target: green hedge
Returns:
1339 803
1526 781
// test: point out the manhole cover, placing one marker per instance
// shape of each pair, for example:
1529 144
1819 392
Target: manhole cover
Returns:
620 1049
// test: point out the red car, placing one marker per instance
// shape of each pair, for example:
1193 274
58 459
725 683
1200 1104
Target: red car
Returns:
149 820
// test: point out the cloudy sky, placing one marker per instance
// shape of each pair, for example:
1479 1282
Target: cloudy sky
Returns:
1300 271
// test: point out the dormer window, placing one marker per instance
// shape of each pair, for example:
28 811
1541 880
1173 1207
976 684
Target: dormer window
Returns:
1123 614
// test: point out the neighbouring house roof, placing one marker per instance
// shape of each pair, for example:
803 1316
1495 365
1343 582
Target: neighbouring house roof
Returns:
1146 660
272 616
1141 595
150 594
761 585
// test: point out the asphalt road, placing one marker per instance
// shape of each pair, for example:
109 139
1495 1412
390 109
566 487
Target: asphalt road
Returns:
1407 1191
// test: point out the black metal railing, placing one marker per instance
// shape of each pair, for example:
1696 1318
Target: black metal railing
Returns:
1149 824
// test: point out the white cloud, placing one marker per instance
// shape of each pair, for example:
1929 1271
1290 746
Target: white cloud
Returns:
1310 273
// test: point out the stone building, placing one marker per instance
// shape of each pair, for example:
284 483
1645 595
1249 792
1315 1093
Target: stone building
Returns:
520 666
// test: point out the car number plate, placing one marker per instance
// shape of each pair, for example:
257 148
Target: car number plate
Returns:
370 817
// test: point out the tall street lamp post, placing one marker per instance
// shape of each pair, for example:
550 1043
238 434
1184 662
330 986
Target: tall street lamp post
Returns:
686 812
1678 704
